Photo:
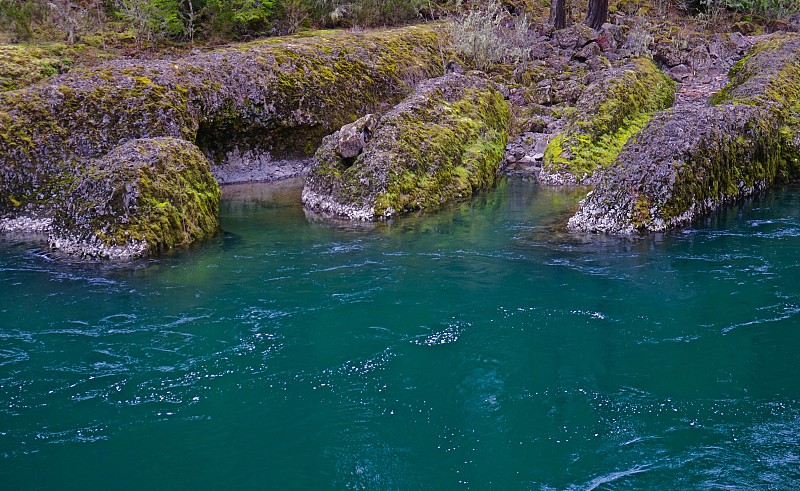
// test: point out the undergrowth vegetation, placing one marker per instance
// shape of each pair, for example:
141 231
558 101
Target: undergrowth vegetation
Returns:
485 31
490 34
151 21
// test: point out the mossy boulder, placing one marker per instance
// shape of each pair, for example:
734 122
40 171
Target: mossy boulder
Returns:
767 76
611 110
686 162
145 196
443 142
691 160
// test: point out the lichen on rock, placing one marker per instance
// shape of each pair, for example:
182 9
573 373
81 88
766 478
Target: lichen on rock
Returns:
259 101
686 162
689 161
145 196
611 110
443 142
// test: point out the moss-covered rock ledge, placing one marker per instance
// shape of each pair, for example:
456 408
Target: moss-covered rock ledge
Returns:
689 161
252 110
443 142
611 110
247 107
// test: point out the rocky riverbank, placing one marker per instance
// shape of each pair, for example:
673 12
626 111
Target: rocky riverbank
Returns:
253 111
701 155
123 159
580 80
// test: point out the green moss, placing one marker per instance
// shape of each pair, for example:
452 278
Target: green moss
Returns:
450 158
728 165
641 211
159 191
23 65
768 74
278 98
317 84
443 143
607 117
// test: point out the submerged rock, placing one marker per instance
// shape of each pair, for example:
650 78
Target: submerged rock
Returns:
443 142
691 160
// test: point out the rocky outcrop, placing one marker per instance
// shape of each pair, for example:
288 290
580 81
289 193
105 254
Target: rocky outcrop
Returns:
253 110
691 160
443 142
610 111
143 197
247 106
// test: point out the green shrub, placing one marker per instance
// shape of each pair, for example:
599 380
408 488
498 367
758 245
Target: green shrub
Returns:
238 18
759 9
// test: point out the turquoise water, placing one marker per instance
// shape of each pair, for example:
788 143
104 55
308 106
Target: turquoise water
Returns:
478 348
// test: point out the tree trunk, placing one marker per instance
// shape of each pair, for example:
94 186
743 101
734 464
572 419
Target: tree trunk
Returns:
598 12
558 14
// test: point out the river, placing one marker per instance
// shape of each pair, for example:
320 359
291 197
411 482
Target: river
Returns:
481 347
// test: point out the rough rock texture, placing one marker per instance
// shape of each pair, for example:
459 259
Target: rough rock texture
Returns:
251 109
691 160
443 142
697 52
767 76
547 92
353 137
145 196
608 113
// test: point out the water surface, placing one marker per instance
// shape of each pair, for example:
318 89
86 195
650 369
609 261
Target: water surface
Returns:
478 348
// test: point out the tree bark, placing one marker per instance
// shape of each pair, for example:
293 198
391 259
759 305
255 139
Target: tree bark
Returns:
598 13
558 14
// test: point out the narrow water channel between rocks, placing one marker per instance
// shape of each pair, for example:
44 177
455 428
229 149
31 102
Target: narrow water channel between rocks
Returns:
481 347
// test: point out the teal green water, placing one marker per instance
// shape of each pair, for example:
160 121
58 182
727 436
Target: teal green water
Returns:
478 348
